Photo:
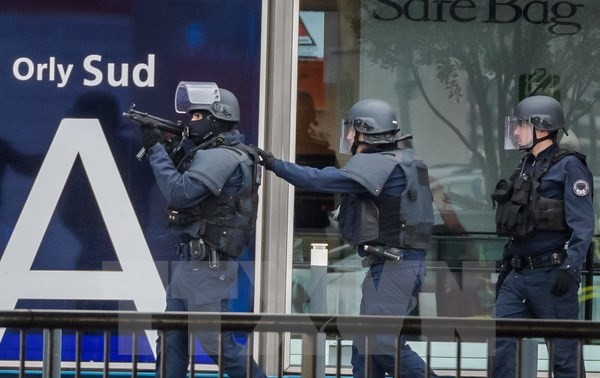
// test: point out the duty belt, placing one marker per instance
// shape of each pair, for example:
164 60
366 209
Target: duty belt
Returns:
535 262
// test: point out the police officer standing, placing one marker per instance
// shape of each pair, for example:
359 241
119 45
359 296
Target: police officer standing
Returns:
386 212
213 197
545 208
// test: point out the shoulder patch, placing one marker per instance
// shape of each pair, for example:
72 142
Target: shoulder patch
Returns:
581 188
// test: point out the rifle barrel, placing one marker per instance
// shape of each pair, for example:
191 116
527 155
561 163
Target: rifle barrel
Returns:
163 124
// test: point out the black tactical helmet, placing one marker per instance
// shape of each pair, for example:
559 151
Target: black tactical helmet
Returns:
544 112
376 120
226 109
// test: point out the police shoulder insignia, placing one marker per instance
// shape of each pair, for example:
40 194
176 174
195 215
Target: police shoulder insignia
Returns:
581 188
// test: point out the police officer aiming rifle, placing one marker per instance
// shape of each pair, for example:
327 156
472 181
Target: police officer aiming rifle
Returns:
212 193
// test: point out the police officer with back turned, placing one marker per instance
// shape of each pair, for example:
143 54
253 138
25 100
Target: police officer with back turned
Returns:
213 198
545 208
386 212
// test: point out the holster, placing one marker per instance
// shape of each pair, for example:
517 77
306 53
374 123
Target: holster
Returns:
199 250
195 249
380 253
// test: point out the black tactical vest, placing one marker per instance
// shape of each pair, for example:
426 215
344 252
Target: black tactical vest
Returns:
227 221
520 208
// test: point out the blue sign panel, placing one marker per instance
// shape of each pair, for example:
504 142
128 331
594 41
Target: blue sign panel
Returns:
82 223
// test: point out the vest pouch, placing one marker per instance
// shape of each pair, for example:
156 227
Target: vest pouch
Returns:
502 212
512 220
229 231
550 215
523 225
225 223
230 241
502 192
512 217
522 187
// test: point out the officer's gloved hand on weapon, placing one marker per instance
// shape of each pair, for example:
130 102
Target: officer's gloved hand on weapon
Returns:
150 136
266 158
562 283
172 144
174 147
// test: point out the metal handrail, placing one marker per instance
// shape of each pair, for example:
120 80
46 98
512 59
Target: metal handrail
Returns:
310 323
312 326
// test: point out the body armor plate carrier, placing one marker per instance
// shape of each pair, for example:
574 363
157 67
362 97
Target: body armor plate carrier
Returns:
402 222
227 221
521 210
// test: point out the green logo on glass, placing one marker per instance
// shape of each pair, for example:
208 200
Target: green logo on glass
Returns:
539 83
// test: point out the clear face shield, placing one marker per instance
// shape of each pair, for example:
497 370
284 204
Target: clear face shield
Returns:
518 133
348 134
193 93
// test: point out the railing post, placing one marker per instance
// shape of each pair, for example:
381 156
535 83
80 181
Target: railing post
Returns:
529 357
588 311
52 353
313 345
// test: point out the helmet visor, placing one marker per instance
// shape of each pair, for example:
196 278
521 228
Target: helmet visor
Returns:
518 133
195 94
347 136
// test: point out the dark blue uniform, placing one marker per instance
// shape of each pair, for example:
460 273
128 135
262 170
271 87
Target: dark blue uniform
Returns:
389 288
194 285
526 292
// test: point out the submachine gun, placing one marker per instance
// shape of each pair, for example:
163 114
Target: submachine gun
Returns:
150 120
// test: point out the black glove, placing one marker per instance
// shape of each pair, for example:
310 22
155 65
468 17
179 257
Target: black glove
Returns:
150 136
562 283
266 158
175 149
501 277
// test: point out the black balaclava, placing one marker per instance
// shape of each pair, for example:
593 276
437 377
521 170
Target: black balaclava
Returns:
208 127
203 129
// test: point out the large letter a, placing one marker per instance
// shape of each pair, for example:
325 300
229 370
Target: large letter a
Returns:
138 281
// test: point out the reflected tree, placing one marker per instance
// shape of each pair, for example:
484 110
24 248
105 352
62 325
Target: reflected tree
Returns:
479 64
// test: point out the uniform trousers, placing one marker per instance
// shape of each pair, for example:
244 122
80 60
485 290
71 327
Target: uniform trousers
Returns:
527 294
389 288
196 287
